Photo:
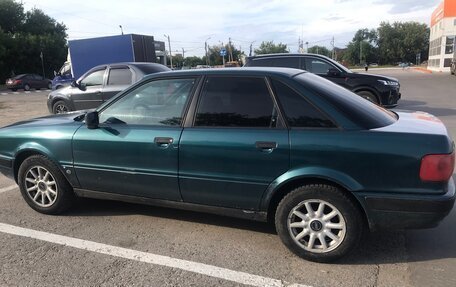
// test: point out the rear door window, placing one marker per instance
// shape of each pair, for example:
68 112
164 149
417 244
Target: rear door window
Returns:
298 111
283 62
120 76
236 102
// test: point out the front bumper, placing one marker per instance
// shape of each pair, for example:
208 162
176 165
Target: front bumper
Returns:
386 211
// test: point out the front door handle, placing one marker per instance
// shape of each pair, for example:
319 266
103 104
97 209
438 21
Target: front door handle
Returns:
266 146
163 141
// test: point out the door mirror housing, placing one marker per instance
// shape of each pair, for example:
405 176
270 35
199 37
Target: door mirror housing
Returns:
92 120
333 72
80 86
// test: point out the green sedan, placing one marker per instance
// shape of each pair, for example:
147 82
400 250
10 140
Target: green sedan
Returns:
269 144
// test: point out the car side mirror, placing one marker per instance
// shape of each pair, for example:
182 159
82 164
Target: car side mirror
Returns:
82 86
333 72
92 120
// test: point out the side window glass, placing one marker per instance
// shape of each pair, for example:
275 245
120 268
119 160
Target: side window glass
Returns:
262 63
119 76
287 62
317 66
298 111
94 78
157 103
236 102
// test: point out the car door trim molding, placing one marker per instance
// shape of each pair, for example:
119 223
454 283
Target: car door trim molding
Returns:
218 210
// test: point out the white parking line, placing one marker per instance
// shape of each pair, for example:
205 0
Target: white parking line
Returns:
191 266
5 189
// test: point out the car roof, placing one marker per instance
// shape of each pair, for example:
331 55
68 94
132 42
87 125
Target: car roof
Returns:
250 71
285 55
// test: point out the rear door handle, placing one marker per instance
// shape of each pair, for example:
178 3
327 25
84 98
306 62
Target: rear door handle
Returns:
266 146
163 141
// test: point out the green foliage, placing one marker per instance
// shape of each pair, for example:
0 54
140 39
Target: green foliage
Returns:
389 44
268 47
400 42
362 49
216 59
194 61
24 36
322 50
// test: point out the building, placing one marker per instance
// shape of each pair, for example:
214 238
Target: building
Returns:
442 36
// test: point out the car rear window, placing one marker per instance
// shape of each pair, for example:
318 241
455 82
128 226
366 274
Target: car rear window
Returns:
357 109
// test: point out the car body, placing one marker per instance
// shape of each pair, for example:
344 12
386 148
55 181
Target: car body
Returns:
378 89
98 85
274 144
27 82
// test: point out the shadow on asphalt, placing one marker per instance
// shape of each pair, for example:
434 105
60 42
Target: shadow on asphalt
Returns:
387 247
93 207
423 106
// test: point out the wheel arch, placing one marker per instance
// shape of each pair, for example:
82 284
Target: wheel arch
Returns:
27 151
367 89
64 99
280 188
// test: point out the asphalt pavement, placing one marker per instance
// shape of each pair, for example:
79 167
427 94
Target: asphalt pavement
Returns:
103 243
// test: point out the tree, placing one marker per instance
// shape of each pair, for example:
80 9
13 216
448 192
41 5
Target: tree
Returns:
194 61
322 50
25 36
363 47
216 59
269 47
401 42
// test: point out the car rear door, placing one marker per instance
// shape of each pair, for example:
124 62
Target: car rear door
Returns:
119 78
134 151
234 146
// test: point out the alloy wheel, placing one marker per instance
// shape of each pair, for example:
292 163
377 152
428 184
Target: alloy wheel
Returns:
41 186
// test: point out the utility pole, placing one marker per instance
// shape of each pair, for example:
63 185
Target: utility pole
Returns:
205 48
42 63
333 51
223 57
170 54
183 53
307 47
251 47
231 50
360 52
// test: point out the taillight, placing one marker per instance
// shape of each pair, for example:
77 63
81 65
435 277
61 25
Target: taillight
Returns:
16 82
437 167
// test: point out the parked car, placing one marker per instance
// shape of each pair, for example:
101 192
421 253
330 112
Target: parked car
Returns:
98 85
27 82
378 89
267 144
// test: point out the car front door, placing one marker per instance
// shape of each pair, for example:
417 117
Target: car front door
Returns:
236 146
88 94
134 151
324 69
119 78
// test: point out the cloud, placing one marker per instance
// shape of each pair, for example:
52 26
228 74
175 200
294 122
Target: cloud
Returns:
405 6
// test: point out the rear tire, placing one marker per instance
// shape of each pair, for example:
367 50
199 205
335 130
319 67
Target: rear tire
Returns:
368 96
43 186
49 86
320 214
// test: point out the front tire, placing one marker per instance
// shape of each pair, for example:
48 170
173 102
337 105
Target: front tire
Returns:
368 96
319 223
26 87
43 186
60 107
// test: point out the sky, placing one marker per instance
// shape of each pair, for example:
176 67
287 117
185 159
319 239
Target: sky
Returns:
190 23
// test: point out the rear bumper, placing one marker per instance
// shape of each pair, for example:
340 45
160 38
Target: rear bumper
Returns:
407 211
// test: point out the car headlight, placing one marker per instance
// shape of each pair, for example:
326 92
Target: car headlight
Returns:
389 83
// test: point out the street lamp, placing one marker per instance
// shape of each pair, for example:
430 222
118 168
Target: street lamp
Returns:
121 29
169 46
205 48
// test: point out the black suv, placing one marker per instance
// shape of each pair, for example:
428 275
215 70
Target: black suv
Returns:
375 88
